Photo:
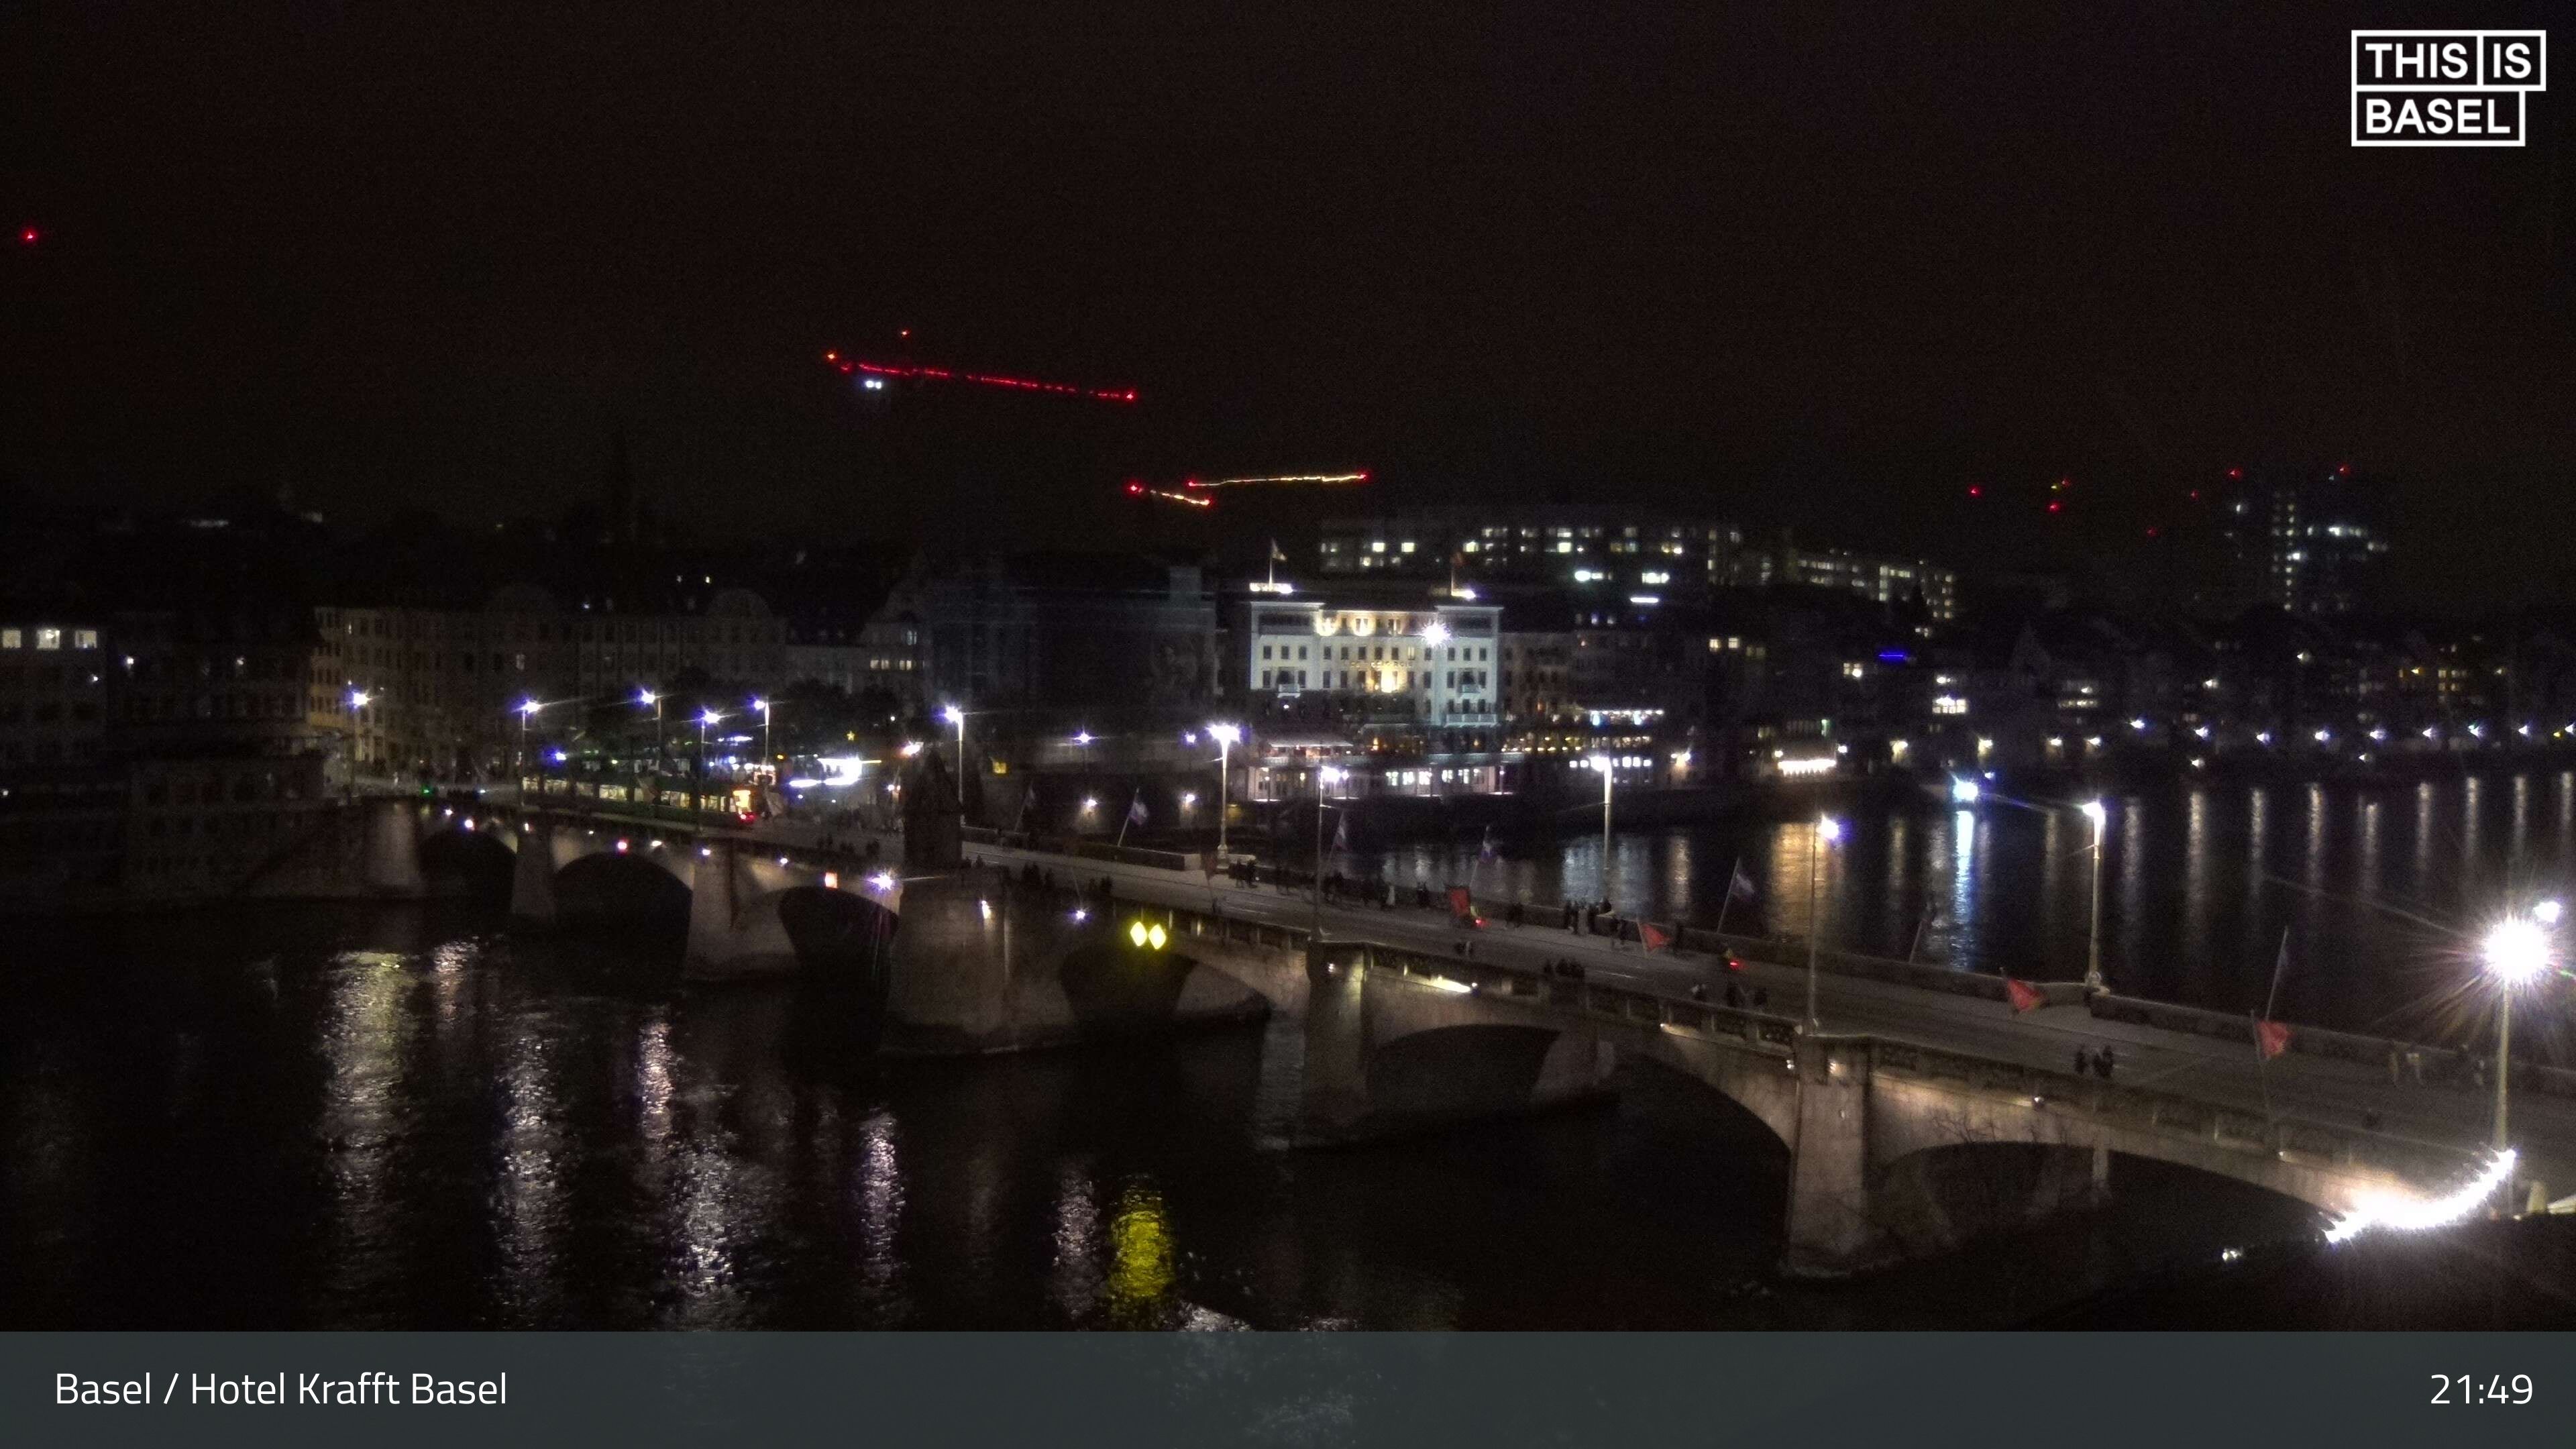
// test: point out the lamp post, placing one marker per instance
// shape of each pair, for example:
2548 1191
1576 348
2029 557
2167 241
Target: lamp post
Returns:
698 776
1226 735
646 696
957 717
1603 764
1325 776
768 759
2516 950
2095 812
527 711
1828 830
357 701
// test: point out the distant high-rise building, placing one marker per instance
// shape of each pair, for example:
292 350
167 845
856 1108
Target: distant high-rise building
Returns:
2303 545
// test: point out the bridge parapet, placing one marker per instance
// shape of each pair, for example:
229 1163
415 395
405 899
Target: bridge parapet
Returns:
2133 1108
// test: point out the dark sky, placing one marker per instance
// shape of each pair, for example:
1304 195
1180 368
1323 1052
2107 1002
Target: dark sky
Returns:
1813 264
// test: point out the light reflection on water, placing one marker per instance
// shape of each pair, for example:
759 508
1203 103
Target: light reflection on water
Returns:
2201 880
423 1123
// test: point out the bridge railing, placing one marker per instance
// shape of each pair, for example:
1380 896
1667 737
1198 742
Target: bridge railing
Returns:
2170 1114
1173 860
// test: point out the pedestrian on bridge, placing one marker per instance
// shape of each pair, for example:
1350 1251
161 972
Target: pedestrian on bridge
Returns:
2083 1060
2102 1064
1569 915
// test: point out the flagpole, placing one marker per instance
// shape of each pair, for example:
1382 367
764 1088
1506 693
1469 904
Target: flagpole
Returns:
1727 900
2263 1058
1128 819
2278 964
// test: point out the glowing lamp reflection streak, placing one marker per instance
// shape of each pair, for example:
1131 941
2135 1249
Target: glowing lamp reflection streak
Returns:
2419 1214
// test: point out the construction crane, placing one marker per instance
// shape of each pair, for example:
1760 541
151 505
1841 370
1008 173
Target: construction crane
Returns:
874 376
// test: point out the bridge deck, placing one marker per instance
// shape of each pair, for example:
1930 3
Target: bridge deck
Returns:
2224 1076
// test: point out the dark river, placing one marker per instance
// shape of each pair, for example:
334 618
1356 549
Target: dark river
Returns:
328 1117
2372 886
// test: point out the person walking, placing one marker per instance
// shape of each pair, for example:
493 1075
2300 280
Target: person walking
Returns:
2102 1064
2083 1060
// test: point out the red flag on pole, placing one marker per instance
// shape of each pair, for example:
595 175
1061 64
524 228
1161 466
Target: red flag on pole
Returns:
1459 903
1652 937
2023 995
2271 1038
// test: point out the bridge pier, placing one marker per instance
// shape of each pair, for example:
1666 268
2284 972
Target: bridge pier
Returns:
986 963
1831 1229
532 875
713 890
390 848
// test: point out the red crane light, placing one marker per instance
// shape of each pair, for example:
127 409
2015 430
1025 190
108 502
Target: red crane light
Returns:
2235 474
987 379
1976 491
27 236
2055 506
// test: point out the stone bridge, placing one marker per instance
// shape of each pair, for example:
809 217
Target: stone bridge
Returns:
1399 1041
736 882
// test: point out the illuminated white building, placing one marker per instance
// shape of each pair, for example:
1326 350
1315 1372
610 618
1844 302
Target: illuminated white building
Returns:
1433 662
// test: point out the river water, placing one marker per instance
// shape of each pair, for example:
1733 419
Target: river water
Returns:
2373 887
408 1116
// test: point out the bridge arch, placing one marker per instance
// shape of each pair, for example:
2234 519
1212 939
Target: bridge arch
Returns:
482 860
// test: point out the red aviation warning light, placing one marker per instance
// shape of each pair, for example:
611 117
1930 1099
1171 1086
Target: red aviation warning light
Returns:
28 236
1976 490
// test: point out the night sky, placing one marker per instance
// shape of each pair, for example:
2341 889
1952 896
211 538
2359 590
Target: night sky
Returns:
1815 264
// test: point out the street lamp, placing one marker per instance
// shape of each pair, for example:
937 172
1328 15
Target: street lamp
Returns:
1326 776
357 701
2098 814
1603 763
957 717
768 761
527 711
646 696
2516 950
1828 830
1226 735
697 784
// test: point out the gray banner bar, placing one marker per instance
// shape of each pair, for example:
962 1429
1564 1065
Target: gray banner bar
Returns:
1070 1390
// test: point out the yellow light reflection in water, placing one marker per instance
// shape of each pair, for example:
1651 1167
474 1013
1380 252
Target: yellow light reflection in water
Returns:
1141 1257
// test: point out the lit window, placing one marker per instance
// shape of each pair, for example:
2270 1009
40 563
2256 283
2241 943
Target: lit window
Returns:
11 639
84 638
49 638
